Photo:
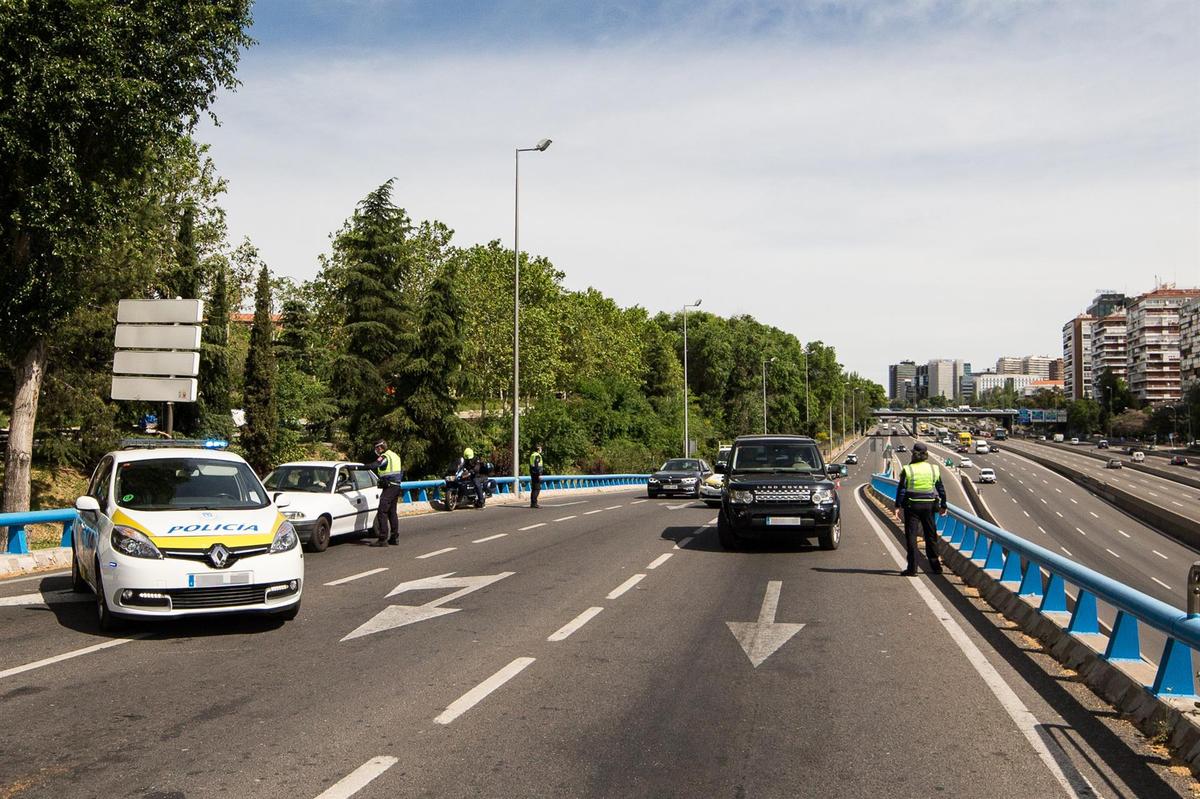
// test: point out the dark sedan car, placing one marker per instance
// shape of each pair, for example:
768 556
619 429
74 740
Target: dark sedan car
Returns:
1179 460
678 476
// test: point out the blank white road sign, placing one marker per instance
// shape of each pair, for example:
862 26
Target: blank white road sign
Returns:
154 389
158 337
171 364
188 312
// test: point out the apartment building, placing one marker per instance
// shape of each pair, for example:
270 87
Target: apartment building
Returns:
1108 348
1189 344
990 381
1077 357
1008 365
1153 344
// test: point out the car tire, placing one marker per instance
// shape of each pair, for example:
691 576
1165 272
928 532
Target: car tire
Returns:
105 618
652 494
831 536
730 540
319 540
713 503
696 493
78 584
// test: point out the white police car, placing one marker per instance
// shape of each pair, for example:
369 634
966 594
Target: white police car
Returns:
169 530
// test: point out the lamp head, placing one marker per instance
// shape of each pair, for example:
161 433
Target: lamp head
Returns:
543 144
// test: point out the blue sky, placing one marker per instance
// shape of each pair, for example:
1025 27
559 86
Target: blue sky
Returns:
829 167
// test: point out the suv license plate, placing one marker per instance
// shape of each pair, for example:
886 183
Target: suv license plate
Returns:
224 578
797 521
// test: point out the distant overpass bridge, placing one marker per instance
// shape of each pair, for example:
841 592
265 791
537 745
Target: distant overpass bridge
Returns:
1009 415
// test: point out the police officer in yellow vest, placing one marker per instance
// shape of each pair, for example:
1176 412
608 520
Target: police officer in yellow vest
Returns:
919 496
535 475
391 474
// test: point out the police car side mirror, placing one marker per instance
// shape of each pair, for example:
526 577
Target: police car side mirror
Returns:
86 504
282 502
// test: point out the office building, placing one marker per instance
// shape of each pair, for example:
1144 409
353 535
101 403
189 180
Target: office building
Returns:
1153 344
1056 369
945 376
1036 365
902 377
1008 365
990 381
1077 357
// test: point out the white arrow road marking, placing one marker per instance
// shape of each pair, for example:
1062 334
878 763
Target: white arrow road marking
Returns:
46 598
477 694
760 639
400 615
358 779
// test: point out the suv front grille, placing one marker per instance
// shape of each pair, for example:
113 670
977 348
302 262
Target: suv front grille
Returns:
783 495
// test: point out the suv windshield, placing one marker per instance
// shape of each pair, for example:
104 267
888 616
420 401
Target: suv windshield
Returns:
316 479
188 484
681 465
780 456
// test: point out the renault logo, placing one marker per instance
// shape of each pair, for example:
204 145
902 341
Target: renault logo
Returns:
218 556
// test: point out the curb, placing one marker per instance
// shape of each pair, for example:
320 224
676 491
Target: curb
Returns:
39 560
1122 686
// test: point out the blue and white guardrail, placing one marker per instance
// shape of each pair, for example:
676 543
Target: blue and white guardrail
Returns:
1037 572
414 491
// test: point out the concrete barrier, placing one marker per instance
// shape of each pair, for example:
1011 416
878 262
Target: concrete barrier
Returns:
1184 479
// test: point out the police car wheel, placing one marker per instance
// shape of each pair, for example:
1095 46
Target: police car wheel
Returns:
78 584
107 621
320 536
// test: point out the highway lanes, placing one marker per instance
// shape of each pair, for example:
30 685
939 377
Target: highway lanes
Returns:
581 650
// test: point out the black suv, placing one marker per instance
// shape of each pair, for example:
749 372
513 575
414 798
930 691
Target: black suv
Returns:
778 484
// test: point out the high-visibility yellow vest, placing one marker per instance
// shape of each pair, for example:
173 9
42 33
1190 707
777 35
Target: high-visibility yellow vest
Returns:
391 464
535 462
920 481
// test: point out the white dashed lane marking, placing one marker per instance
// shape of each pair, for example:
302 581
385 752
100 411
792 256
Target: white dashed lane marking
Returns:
489 538
532 527
625 586
436 552
1160 582
1161 555
573 625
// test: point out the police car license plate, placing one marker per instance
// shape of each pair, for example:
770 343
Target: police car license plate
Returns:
796 521
224 578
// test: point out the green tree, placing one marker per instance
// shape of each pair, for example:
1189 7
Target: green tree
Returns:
215 380
260 433
1083 416
92 91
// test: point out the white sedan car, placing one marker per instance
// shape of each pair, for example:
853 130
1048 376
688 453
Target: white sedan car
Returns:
168 531
710 490
987 475
325 499
966 463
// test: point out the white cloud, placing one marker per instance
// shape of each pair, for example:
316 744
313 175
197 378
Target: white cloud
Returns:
958 195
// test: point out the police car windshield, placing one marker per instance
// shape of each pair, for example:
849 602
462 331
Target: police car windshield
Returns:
776 457
315 479
188 484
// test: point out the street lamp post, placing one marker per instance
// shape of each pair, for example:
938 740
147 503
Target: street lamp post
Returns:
686 441
764 375
516 395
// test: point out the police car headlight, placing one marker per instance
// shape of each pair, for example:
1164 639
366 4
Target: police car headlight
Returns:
741 497
133 543
285 538
822 496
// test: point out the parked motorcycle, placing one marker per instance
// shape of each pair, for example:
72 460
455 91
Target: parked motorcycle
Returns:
461 490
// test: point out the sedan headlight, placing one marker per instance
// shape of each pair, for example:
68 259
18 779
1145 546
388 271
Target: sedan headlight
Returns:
741 497
293 514
688 480
285 538
133 543
653 481
822 496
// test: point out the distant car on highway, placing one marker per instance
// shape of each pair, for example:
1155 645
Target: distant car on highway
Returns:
1138 456
678 476
852 458
1179 460
1074 441
987 475
982 448
1113 463
994 447
325 499
901 448
1102 444
966 463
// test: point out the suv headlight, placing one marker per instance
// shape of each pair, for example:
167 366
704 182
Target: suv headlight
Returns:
285 538
133 543
822 496
741 497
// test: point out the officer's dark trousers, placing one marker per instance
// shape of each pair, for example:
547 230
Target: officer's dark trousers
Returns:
386 517
917 519
535 488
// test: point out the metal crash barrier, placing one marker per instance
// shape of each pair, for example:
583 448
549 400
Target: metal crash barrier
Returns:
18 544
1037 572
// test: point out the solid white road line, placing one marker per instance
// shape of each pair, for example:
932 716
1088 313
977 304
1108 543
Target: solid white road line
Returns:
1161 555
625 586
87 650
660 560
1160 582
358 576
532 527
1075 785
1114 554
566 518
489 538
41 576
575 624
683 542
477 694
436 552
358 779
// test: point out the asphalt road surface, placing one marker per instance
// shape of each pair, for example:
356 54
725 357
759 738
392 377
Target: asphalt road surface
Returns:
604 646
